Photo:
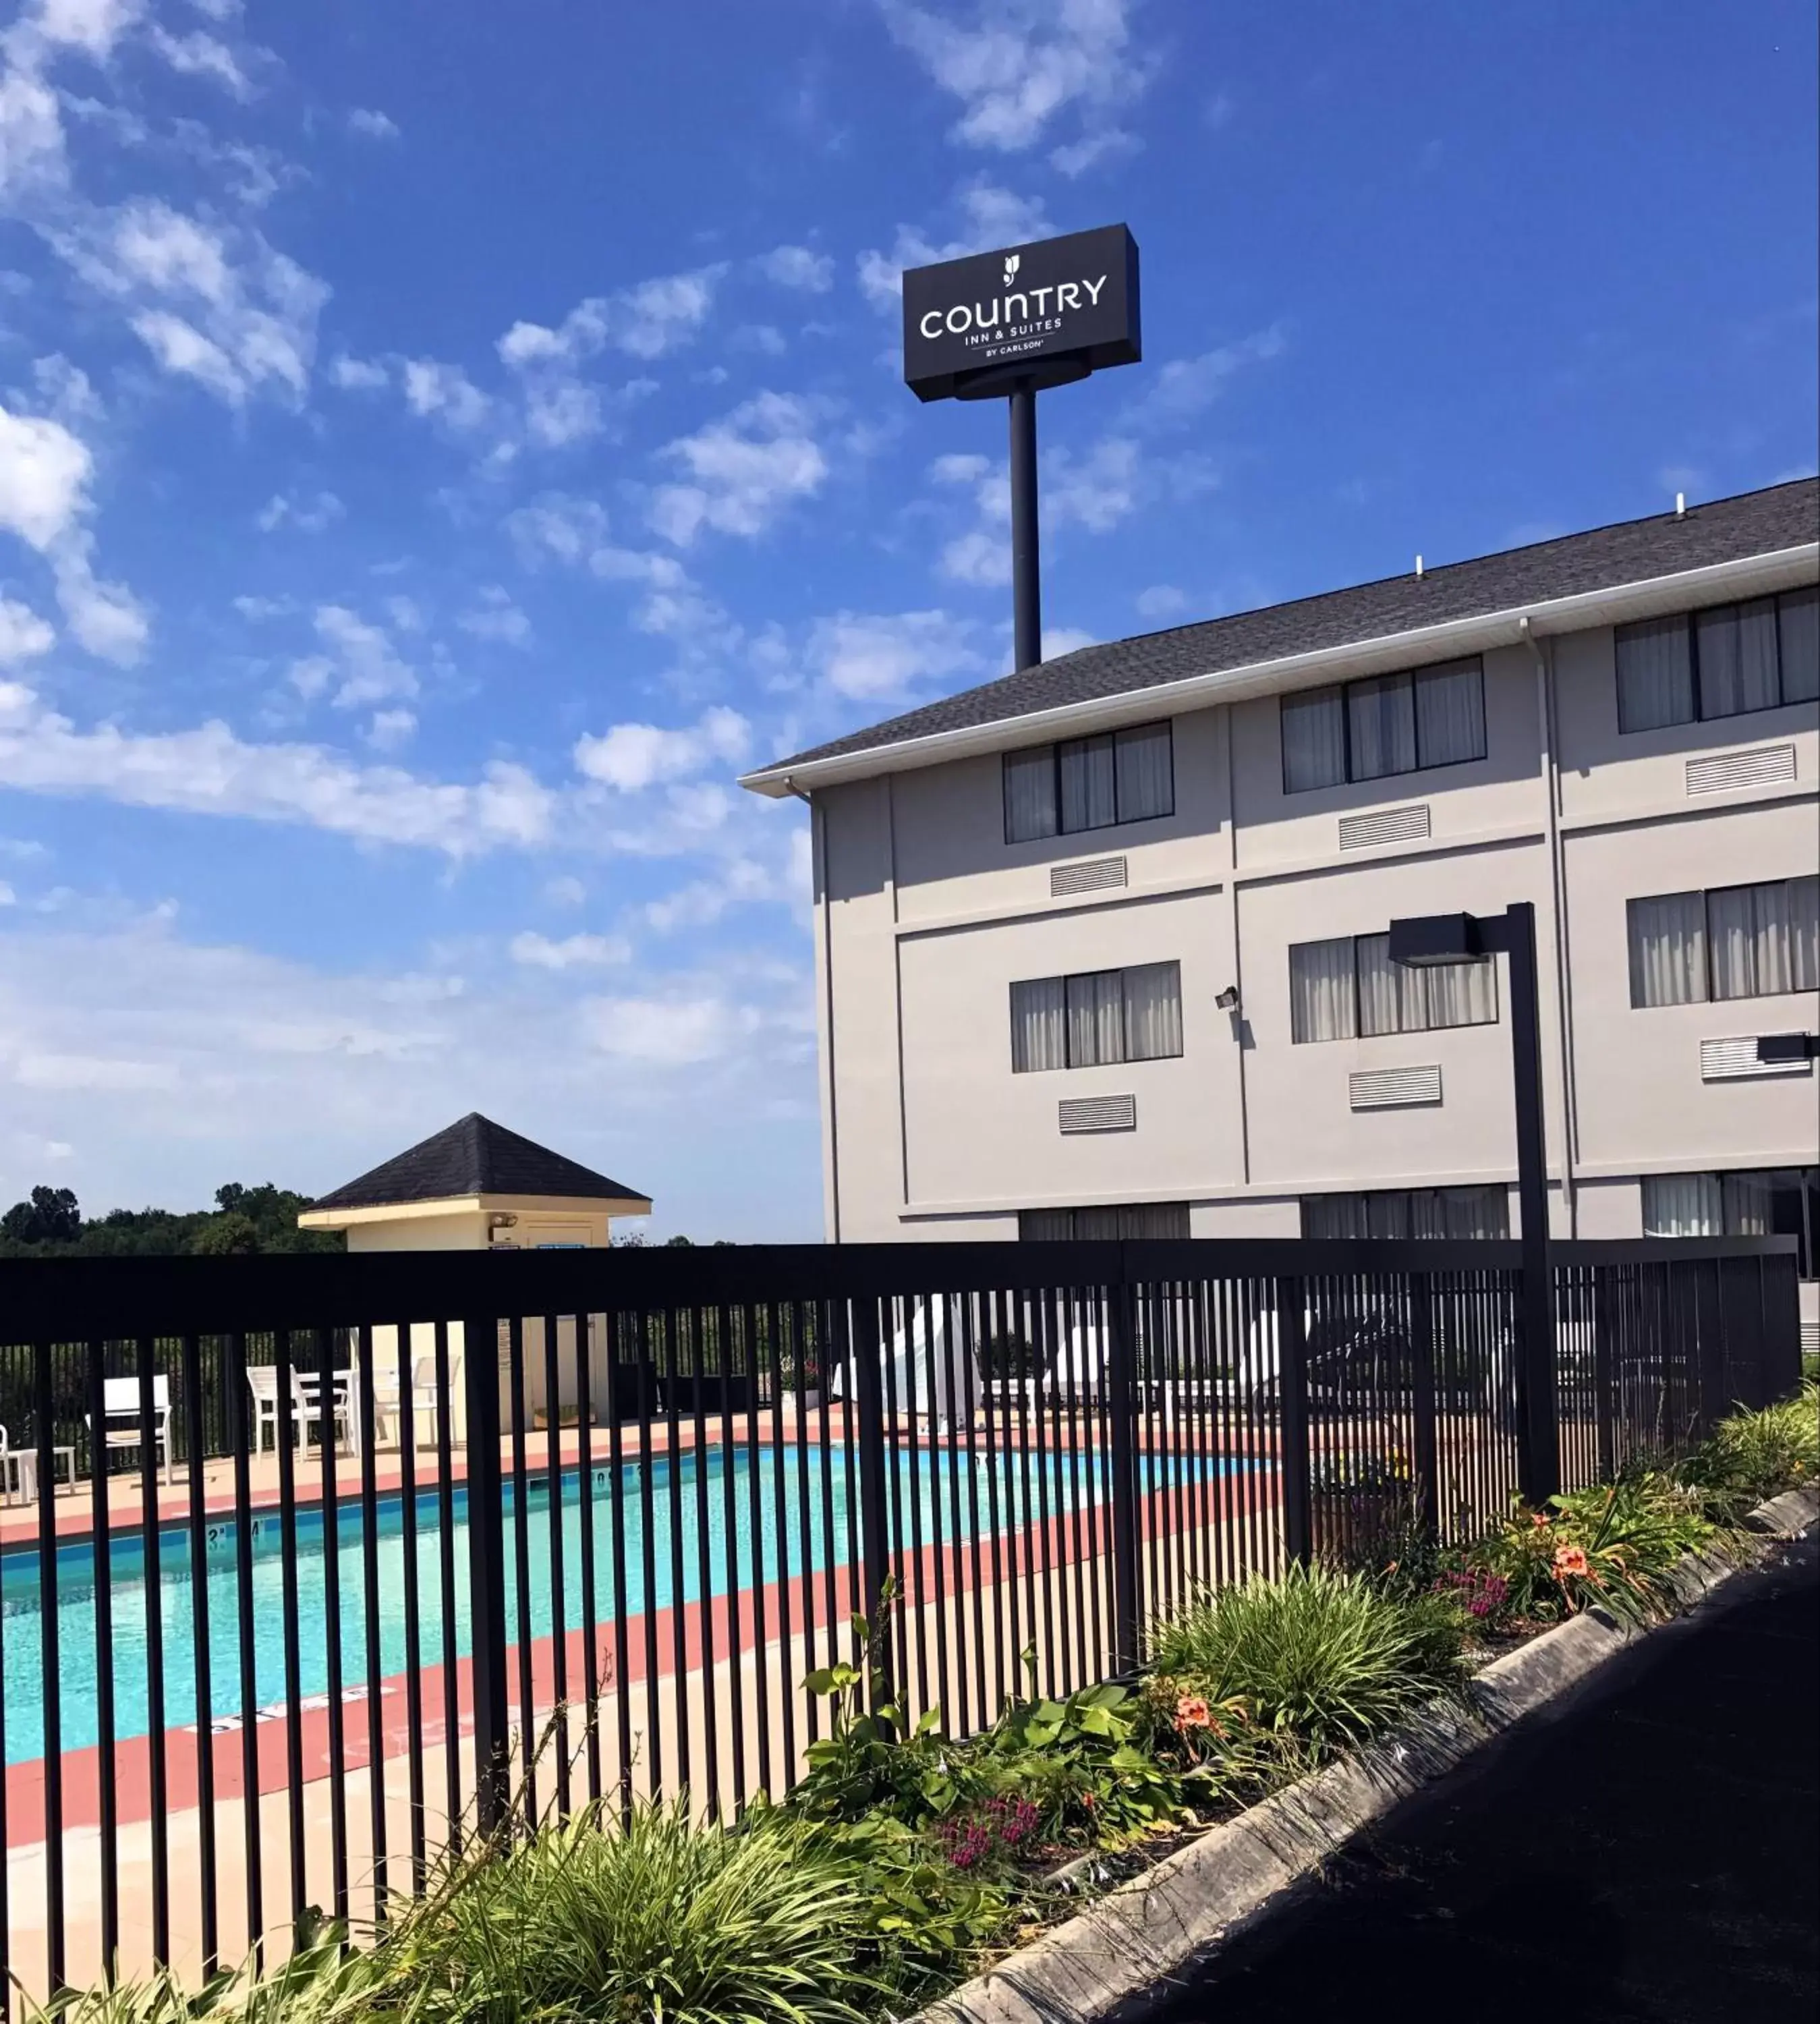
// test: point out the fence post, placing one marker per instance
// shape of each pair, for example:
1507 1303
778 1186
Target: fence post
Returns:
1292 1455
1121 1409
486 1568
1426 1460
865 1343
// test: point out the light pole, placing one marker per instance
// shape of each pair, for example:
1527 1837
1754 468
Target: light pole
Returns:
1427 943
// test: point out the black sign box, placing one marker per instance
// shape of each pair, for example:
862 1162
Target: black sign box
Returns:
1044 314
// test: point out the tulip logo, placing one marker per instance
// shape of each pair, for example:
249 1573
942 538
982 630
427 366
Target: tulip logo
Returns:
1012 264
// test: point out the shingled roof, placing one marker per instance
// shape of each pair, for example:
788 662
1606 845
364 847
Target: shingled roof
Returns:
475 1157
1632 552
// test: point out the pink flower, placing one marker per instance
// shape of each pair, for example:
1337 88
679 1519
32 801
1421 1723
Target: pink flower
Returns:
1571 1560
1193 1712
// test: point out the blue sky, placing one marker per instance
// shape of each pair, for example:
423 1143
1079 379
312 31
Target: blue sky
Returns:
441 445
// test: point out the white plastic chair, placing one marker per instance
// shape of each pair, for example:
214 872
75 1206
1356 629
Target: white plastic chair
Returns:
262 1381
120 1418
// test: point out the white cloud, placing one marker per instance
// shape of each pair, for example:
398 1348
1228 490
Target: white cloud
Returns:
359 661
215 304
993 215
8 896
1095 491
630 757
1160 600
433 388
307 516
210 770
1017 66
497 617
32 141
796 267
981 556
645 321
870 659
666 1033
699 904
388 729
44 476
23 635
565 891
373 124
743 471
1180 388
362 375
255 610
572 952
91 26
199 55
93 1071
1060 640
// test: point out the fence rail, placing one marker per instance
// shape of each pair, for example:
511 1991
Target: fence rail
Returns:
311 1563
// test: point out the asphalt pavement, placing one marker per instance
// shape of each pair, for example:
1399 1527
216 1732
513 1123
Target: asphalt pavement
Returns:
1646 1853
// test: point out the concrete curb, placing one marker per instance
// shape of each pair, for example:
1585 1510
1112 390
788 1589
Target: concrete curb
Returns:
1152 1927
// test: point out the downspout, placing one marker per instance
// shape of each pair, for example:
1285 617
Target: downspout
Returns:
1544 663
824 932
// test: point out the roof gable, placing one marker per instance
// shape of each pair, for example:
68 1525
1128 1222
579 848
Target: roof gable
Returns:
473 1156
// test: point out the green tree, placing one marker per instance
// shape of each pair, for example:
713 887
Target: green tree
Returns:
49 1216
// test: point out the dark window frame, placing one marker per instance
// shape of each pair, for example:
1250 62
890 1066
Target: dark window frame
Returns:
1343 690
1166 724
1125 1057
1710 995
1690 622
1359 1032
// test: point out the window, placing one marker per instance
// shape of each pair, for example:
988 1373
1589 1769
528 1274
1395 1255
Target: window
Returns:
1349 988
1736 941
1390 724
1122 777
1420 1212
1095 1226
1097 1017
1781 1202
1724 662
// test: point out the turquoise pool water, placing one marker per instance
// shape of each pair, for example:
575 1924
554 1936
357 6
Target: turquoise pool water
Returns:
1029 1489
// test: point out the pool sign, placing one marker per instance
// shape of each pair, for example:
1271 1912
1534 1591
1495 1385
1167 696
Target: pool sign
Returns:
1042 314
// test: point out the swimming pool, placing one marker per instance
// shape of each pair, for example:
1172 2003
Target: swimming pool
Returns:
694 1489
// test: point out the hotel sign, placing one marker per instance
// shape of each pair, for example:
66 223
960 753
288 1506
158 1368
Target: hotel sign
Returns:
1044 314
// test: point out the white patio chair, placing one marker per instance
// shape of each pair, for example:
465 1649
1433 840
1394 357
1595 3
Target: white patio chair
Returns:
12 1473
262 1382
307 1408
121 1419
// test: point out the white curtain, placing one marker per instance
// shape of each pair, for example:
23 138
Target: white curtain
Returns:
1381 717
1323 1005
1153 1012
1463 994
1314 740
1450 714
1799 618
1737 658
1145 773
1682 1205
1125 1222
1044 1225
1655 675
1749 1205
1667 938
1475 1213
1096 1019
1427 1213
1391 998
1038 1036
1747 929
1804 933
1090 795
1331 1217
1030 794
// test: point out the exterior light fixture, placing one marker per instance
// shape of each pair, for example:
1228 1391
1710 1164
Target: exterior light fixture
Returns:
1427 943
1227 1000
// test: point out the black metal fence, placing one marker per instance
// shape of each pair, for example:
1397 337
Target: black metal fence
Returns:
465 1535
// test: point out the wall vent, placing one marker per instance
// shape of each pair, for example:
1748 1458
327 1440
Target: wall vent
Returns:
1762 768
1408 825
1392 1089
1097 1113
1092 874
1732 1061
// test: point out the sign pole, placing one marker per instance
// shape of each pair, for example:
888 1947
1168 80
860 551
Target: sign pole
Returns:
1025 564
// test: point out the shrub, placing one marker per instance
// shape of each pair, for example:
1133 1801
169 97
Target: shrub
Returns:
666 1917
1752 1456
1323 1658
1615 1545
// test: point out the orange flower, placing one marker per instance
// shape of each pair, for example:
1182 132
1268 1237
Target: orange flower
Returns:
1538 1519
1571 1560
1193 1712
